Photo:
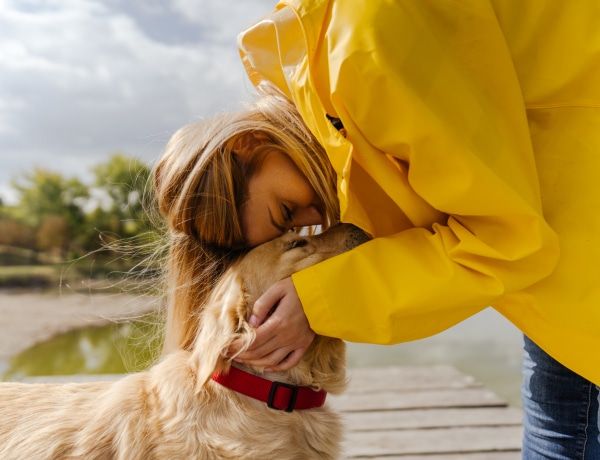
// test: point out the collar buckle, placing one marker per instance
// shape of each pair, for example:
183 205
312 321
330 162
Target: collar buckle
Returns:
292 397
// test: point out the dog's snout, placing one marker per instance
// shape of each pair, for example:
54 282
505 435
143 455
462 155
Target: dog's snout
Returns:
340 238
356 237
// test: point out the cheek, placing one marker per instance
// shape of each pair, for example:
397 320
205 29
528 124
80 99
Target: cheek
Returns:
302 192
255 225
308 193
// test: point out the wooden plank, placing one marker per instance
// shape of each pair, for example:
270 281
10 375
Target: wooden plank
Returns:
431 418
432 441
376 379
516 455
417 413
394 400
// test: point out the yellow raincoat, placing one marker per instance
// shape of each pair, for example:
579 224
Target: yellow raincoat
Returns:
467 122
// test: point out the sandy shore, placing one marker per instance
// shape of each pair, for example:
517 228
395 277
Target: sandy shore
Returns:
27 318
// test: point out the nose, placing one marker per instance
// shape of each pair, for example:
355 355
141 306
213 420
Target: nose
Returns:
356 237
307 216
345 236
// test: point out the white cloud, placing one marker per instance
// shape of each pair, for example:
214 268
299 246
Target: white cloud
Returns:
234 15
80 79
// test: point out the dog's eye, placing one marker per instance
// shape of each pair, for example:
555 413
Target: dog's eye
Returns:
297 244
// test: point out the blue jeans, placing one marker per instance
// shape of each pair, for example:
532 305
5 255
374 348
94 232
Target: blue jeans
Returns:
561 410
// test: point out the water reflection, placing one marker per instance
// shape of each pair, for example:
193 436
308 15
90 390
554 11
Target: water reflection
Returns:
485 346
114 349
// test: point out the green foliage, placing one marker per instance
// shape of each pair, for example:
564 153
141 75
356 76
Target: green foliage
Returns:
59 218
15 233
29 276
124 180
43 193
51 206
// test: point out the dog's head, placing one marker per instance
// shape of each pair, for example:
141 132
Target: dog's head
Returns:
224 319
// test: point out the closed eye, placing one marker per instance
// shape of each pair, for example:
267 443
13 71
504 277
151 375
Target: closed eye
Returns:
297 244
287 213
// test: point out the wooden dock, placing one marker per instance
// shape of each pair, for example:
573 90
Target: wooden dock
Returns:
426 413
415 413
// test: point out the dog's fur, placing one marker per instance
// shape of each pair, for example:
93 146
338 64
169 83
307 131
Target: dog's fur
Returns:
174 410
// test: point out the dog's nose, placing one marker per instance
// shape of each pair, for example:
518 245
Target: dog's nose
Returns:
356 236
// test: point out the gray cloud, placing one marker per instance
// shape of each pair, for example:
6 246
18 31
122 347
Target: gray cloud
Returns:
80 79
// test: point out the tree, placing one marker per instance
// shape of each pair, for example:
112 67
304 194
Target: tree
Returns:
53 234
14 233
64 215
124 180
43 194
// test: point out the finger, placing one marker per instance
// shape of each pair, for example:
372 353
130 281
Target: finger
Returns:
282 357
263 336
234 348
265 342
266 303
259 352
271 360
291 360
269 338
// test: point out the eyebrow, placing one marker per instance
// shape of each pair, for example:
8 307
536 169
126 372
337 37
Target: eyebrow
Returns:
274 223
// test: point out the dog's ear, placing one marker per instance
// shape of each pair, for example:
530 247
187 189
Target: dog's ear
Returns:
325 363
221 322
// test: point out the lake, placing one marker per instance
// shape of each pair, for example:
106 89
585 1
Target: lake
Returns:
485 346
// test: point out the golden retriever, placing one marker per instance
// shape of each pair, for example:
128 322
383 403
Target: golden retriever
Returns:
176 410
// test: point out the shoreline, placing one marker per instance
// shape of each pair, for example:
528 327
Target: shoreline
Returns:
485 346
28 317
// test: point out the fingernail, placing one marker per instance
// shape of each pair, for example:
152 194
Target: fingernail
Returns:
253 321
268 369
238 360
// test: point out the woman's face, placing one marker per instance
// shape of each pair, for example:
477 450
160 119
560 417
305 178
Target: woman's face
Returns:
279 199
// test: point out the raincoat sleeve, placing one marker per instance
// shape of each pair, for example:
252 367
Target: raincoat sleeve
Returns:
436 124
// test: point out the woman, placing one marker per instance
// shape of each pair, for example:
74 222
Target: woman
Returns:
202 184
464 139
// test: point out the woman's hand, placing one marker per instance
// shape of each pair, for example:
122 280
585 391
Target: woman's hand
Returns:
282 331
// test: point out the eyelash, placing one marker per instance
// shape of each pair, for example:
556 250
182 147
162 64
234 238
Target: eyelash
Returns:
287 213
297 244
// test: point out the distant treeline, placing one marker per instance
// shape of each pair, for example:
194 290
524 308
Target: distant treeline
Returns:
58 218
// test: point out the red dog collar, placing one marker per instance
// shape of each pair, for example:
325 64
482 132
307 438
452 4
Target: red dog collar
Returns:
277 395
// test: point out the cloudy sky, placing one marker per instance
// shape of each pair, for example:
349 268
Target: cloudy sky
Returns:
81 79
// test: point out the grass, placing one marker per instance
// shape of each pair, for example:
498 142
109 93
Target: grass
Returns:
103 272
24 268
30 275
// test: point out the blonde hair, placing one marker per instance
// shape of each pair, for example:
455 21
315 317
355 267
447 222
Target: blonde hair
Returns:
200 186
